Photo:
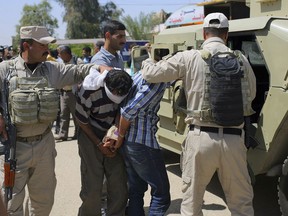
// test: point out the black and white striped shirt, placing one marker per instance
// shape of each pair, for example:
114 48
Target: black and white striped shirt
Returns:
94 107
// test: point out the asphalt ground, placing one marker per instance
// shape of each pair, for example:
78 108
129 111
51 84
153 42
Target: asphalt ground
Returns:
67 199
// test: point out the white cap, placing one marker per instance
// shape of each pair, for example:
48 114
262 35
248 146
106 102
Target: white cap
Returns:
223 21
37 33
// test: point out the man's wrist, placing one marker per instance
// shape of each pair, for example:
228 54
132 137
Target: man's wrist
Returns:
122 135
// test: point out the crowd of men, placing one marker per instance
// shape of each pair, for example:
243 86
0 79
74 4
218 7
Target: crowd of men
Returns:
115 117
6 52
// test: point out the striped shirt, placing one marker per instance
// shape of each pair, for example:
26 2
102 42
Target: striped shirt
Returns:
94 107
140 108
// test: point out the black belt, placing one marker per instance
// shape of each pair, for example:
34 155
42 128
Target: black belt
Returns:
34 138
234 131
62 90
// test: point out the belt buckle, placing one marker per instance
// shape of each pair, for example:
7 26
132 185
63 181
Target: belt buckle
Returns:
37 138
30 139
34 138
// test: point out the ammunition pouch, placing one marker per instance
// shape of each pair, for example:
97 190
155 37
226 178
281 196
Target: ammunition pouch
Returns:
31 102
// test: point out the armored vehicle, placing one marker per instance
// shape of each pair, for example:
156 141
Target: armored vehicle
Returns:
259 28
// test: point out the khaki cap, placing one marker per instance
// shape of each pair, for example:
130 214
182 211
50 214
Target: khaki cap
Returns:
37 33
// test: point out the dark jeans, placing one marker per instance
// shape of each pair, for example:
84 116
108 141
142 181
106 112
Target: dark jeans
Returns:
146 166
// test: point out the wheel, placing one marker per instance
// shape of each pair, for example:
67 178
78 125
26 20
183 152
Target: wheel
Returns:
283 189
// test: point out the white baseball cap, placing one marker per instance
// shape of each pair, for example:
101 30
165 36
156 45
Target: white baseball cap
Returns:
223 21
37 33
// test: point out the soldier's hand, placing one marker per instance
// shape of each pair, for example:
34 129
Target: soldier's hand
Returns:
3 131
103 68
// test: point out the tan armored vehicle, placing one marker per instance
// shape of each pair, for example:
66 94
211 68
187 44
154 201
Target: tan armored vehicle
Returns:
259 28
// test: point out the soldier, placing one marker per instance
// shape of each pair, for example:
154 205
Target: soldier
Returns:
209 146
35 151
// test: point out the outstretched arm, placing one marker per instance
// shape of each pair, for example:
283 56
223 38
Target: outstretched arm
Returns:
168 69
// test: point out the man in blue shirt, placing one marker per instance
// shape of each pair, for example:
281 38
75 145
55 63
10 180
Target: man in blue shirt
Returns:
143 157
115 39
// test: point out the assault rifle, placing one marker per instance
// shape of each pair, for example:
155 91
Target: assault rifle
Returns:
9 145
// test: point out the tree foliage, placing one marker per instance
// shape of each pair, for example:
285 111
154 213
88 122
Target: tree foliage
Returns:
110 11
38 15
84 17
141 27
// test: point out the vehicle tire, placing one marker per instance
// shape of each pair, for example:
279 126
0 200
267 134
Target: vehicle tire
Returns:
283 189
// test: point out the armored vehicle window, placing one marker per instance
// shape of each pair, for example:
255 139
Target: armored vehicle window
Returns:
143 52
160 53
252 52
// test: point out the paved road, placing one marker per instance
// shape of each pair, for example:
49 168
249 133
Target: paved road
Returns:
67 199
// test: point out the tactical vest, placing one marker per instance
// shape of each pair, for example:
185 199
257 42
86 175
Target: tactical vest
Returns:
31 100
226 92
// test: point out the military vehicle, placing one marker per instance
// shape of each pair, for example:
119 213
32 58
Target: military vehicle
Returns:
259 28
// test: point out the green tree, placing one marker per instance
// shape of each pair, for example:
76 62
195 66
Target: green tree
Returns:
84 17
110 11
141 27
39 15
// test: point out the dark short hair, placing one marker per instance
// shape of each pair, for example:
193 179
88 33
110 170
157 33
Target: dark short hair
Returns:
99 43
216 31
118 80
54 53
64 48
87 49
112 26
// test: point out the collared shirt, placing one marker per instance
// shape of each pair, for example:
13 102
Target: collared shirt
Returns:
103 57
94 107
58 75
190 67
140 108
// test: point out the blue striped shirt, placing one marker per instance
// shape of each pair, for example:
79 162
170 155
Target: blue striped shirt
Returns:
140 108
103 57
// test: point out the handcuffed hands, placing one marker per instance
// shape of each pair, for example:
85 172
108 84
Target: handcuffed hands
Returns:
106 151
